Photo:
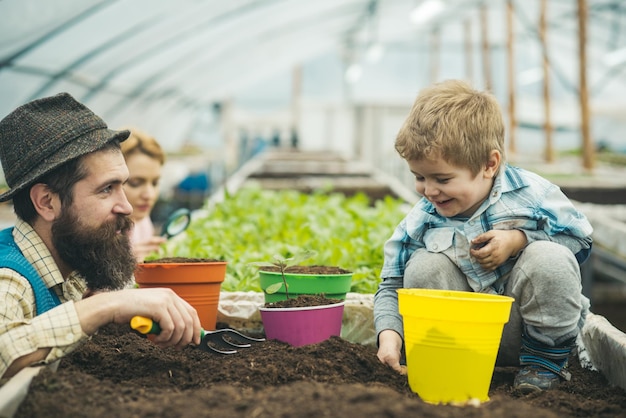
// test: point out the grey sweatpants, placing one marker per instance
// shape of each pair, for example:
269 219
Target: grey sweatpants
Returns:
545 284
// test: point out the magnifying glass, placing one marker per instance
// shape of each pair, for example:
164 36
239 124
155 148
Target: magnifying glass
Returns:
177 222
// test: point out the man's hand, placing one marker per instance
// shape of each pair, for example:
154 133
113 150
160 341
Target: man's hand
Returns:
494 247
179 321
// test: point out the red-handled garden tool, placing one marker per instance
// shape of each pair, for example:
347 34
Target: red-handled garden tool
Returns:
218 341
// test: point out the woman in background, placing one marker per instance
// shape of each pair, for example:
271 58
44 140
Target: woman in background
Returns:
144 158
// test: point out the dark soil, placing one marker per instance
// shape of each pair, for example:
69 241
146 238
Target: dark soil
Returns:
303 301
119 373
181 260
321 270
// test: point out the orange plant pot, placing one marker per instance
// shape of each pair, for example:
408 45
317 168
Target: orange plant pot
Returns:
199 283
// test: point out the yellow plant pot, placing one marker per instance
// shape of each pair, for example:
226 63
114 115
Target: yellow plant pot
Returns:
452 340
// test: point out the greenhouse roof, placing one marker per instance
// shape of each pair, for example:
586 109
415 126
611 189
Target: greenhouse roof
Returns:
162 63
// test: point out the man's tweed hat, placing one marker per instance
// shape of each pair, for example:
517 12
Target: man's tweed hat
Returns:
43 134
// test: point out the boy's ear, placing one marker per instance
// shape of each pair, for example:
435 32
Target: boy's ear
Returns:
46 203
491 169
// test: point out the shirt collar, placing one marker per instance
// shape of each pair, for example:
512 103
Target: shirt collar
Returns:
37 253
509 179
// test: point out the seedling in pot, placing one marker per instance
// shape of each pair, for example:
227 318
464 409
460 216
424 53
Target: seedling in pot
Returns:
283 263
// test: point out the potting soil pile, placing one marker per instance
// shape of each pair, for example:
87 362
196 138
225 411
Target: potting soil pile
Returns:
120 373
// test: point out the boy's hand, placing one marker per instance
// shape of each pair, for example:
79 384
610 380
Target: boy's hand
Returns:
389 346
494 247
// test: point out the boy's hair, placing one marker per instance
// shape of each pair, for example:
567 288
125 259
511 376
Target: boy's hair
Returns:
140 142
450 120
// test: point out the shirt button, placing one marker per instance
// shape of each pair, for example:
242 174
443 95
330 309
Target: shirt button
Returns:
69 337
471 222
435 247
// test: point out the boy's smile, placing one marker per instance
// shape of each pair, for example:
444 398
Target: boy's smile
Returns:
453 190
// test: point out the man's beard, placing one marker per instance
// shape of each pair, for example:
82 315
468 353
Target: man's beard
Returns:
102 256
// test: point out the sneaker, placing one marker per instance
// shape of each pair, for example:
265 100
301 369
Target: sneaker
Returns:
535 379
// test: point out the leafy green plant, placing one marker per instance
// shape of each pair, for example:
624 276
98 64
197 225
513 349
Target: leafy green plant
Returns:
282 263
253 224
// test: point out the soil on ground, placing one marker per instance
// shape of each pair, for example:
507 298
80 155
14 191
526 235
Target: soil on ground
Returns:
119 373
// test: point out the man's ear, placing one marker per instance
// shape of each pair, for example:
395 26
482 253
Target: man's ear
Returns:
493 164
46 202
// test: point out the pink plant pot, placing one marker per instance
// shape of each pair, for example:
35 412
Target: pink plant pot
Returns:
302 326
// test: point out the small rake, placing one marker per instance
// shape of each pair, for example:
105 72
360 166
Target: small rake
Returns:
220 341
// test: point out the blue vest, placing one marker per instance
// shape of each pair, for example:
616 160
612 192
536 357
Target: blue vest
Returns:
11 257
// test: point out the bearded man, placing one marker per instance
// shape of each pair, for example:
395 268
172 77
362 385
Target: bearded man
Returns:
65 173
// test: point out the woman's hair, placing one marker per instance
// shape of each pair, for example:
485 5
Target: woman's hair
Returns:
452 121
140 142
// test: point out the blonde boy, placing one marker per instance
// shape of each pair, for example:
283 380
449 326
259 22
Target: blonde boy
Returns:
485 226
